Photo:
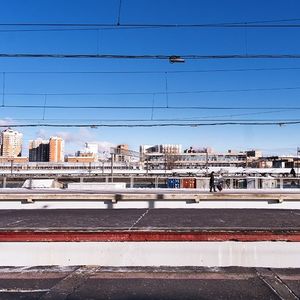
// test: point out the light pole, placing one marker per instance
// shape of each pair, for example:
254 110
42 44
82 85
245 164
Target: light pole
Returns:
206 161
297 160
11 166
112 167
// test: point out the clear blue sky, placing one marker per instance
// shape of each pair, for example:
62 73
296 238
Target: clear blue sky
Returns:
154 41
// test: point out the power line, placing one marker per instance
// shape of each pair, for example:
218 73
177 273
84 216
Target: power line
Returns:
283 108
149 56
118 25
279 123
156 72
159 120
156 92
199 118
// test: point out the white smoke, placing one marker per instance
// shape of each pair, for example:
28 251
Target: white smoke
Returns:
6 122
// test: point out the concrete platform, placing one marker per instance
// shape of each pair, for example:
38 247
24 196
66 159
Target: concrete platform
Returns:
149 225
151 237
147 194
91 282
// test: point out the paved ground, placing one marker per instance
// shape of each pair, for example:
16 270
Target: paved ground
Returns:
154 219
82 282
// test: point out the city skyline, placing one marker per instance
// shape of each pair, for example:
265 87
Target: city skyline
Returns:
104 146
76 139
86 153
52 149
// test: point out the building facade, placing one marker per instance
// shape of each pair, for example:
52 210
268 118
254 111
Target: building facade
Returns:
56 149
81 159
39 150
162 148
164 161
11 143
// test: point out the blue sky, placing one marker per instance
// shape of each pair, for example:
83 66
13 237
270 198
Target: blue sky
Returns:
271 139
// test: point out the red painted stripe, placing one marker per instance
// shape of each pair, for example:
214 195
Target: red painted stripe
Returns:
134 236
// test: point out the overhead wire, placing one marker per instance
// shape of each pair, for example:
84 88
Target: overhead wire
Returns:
284 108
157 72
96 125
148 56
119 25
166 92
199 118
158 120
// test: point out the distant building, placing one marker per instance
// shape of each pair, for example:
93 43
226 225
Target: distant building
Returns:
39 150
192 160
81 159
14 160
11 143
90 149
122 153
162 148
56 149
274 162
254 153
198 150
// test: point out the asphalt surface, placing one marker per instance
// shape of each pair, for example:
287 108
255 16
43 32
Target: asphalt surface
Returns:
150 219
95 282
84 282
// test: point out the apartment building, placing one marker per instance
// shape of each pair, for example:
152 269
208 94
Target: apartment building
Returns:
39 150
11 143
56 149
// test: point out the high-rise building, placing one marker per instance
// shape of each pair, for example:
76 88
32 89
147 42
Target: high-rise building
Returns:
11 143
56 149
39 150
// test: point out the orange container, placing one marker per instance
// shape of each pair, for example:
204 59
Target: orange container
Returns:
188 183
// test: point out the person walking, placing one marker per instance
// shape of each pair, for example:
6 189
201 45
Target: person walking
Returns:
220 183
212 186
293 172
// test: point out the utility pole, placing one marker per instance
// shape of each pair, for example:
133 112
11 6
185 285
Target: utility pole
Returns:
298 149
112 167
165 163
147 167
11 166
206 161
90 168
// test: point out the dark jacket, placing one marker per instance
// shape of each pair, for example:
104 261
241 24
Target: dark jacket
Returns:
212 179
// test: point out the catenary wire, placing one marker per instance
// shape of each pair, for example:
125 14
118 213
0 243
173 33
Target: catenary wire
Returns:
148 56
264 123
156 92
118 25
156 72
199 118
158 120
284 108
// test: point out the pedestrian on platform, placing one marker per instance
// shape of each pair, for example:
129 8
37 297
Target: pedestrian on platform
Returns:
212 186
220 183
293 172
